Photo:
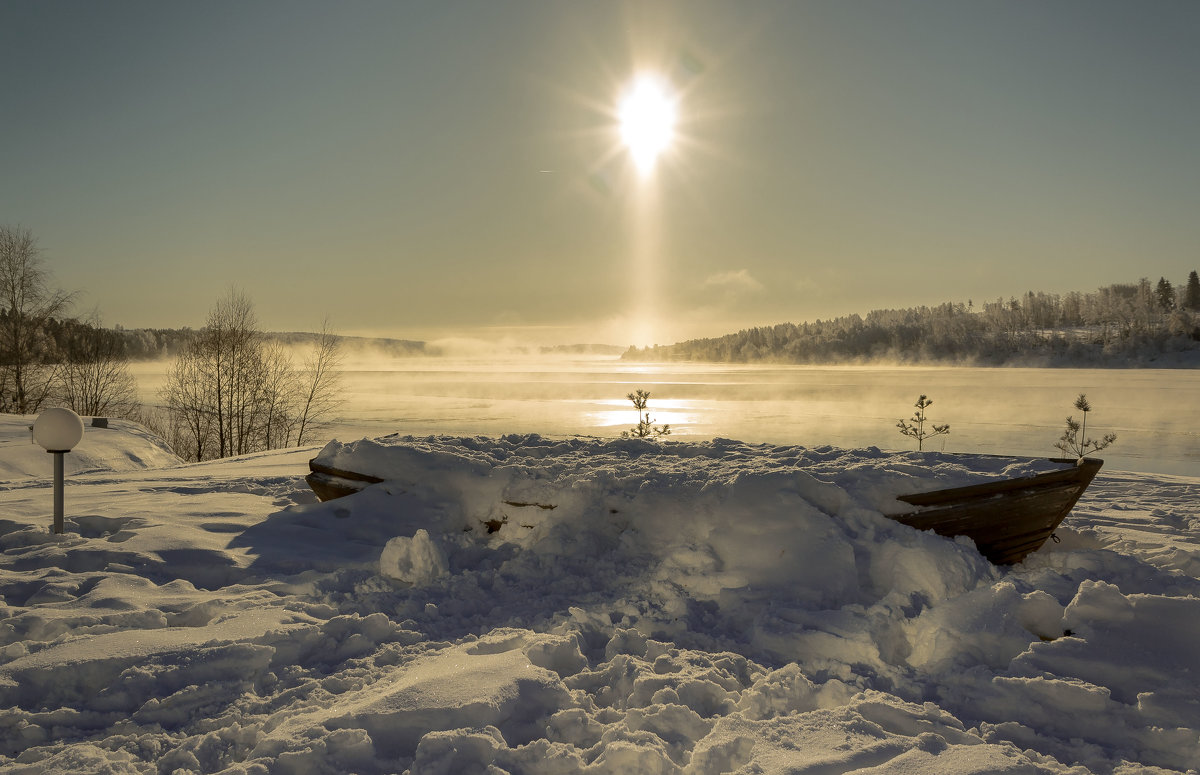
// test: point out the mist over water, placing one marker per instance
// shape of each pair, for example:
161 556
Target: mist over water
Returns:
1155 413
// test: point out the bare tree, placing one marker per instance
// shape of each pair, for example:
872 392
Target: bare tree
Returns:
279 393
190 404
211 389
231 350
320 384
94 379
27 368
231 391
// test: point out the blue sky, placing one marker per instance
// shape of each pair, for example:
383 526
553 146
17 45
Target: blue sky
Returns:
428 169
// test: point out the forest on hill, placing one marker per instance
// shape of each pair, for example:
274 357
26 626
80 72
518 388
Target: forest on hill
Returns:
154 343
1138 323
61 337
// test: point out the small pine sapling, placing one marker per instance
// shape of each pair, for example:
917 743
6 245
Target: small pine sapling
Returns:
917 429
645 427
1074 441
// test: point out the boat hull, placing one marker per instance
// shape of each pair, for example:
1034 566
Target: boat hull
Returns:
1007 519
329 483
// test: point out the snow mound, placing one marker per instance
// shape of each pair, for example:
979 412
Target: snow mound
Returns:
522 461
121 446
727 523
412 560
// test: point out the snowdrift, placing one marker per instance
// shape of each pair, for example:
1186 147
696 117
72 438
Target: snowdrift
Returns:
121 446
533 605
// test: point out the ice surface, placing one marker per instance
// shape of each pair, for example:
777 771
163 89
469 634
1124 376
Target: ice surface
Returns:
525 604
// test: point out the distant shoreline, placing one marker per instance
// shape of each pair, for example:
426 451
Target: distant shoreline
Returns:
1187 359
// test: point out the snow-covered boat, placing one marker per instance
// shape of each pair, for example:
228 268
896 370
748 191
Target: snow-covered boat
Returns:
1006 518
329 483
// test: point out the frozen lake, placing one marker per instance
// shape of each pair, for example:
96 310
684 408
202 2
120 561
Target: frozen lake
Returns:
1154 412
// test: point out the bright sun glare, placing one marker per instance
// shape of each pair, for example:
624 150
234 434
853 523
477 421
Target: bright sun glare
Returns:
647 115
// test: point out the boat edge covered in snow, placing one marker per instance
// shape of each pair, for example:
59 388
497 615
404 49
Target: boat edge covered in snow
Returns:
1006 518
329 483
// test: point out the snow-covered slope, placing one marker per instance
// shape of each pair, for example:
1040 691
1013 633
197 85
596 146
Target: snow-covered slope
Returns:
122 446
693 607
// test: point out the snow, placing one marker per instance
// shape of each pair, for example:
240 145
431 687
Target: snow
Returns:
121 446
525 604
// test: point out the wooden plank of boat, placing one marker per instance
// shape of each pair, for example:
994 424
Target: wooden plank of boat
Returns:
1007 519
329 482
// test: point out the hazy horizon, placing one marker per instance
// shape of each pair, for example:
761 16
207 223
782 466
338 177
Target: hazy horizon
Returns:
506 341
459 170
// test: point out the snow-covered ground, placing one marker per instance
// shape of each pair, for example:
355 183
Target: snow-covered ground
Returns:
533 605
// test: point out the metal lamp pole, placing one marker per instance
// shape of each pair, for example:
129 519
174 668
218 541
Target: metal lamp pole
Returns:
58 487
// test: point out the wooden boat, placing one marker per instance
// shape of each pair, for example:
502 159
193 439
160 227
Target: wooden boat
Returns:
1006 518
329 483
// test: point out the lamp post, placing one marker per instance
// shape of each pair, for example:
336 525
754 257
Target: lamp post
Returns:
57 431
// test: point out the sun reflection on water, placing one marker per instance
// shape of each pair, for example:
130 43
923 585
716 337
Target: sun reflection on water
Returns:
680 414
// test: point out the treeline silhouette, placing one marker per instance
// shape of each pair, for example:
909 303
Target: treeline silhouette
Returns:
146 344
1115 325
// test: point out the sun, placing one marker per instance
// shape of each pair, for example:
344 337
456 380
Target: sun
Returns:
647 116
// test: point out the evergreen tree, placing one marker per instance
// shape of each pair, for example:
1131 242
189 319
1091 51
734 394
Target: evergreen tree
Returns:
645 427
917 429
1191 294
1165 293
1074 441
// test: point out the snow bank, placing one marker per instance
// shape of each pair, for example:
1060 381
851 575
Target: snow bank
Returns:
870 475
532 605
121 446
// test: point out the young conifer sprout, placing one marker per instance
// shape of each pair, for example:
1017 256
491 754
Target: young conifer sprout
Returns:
645 427
1074 441
917 429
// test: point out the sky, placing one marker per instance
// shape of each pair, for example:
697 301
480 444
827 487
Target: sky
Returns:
426 170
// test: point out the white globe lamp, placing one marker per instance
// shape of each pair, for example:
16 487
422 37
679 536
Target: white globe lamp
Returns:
58 431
